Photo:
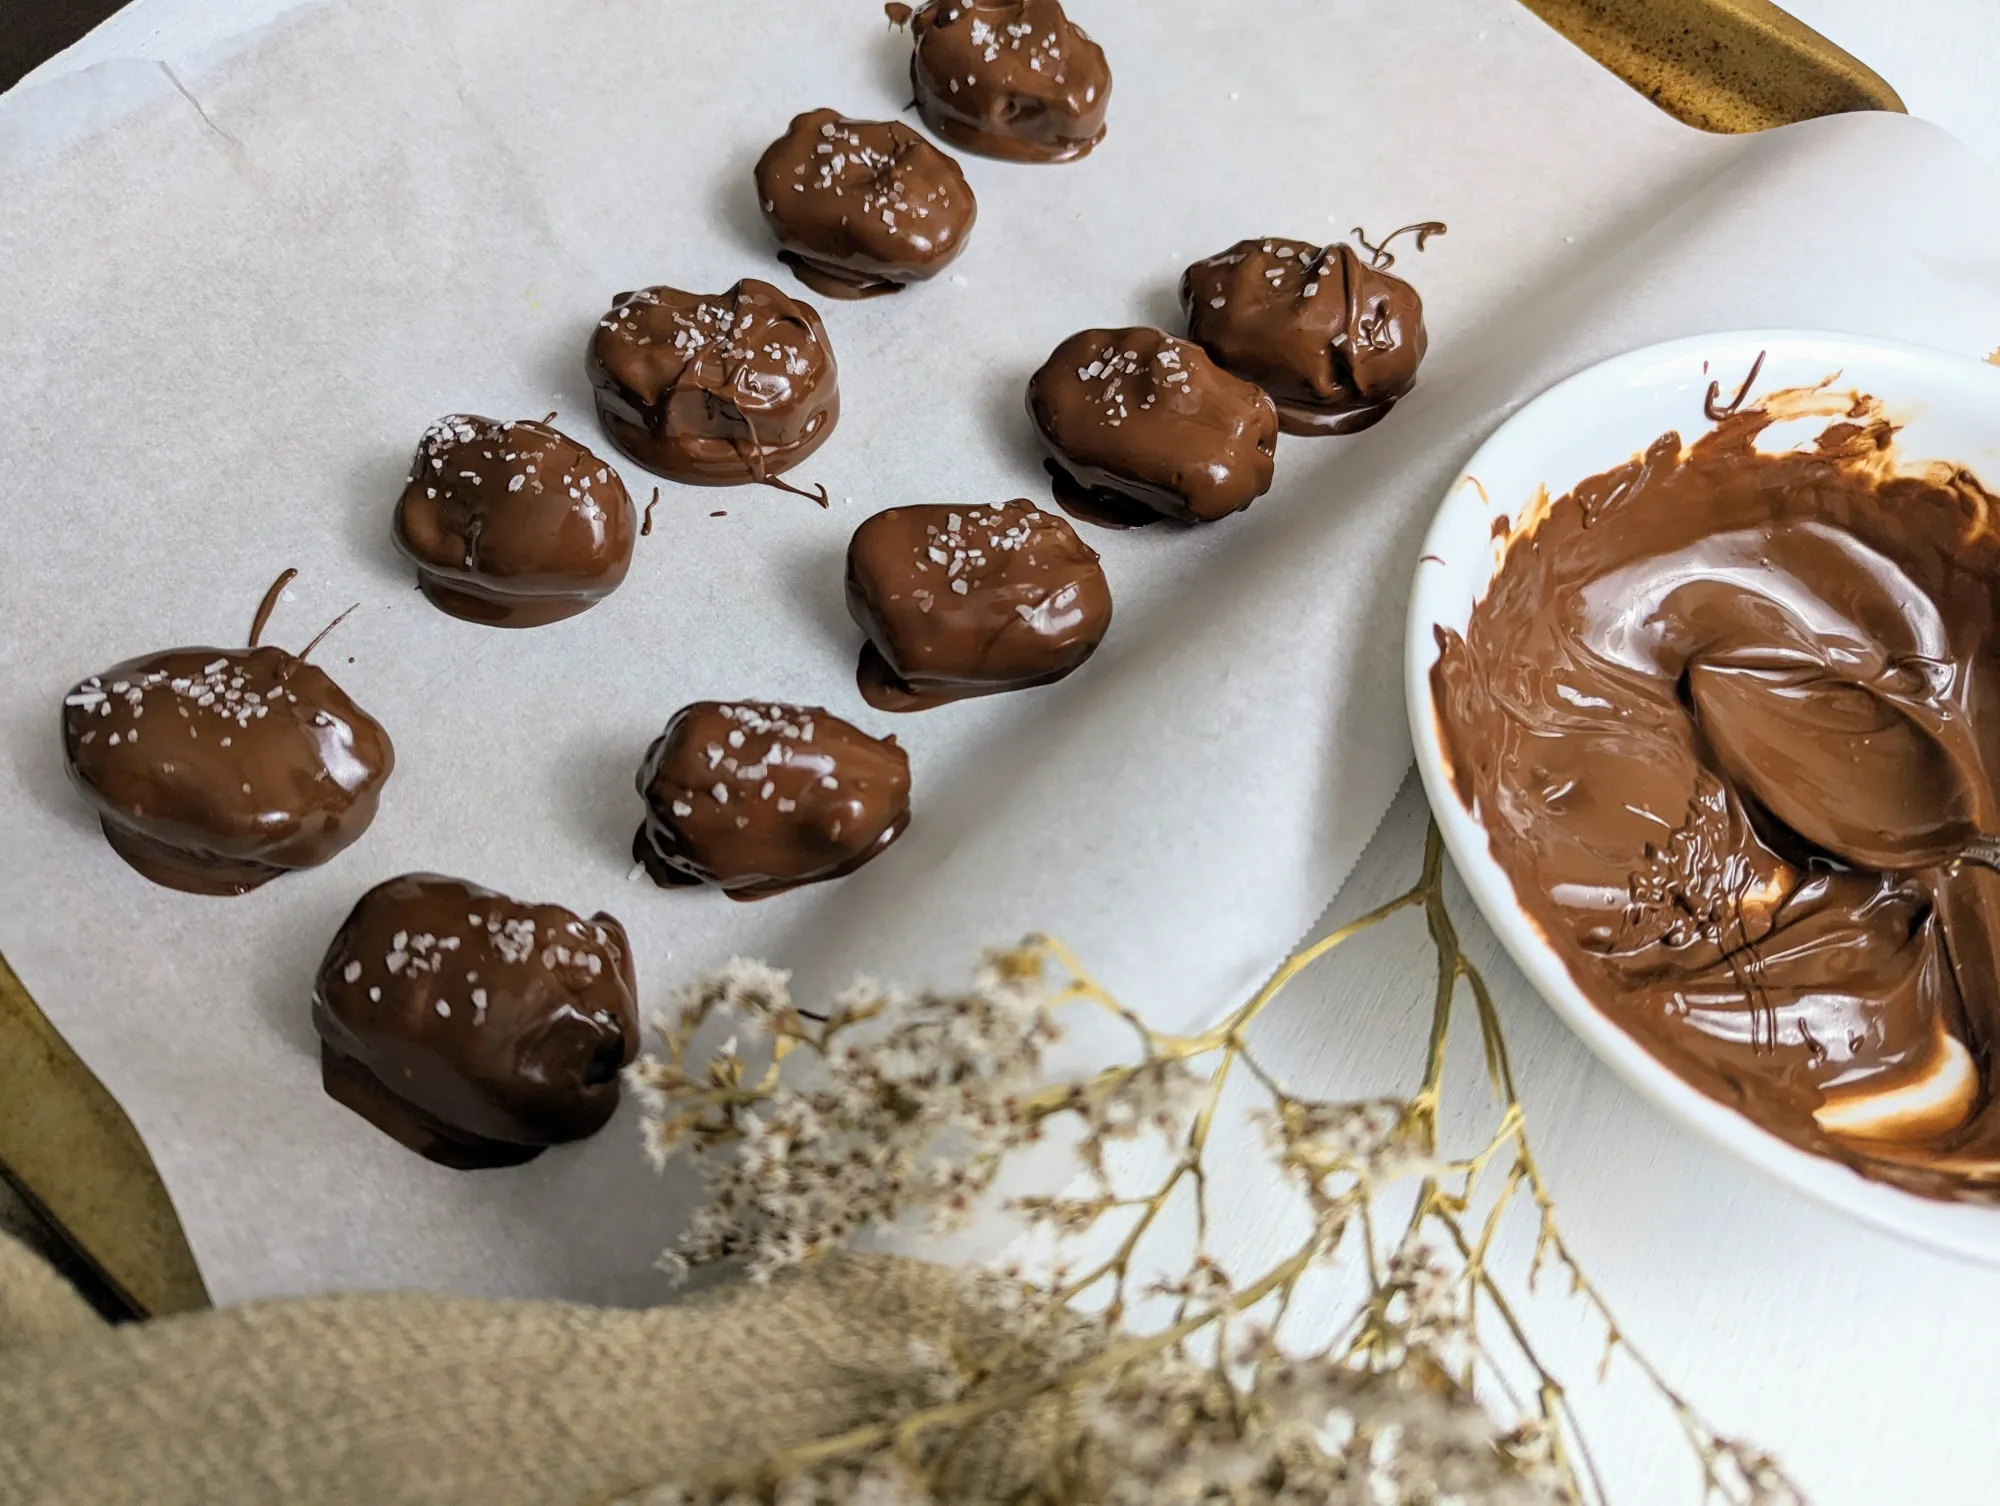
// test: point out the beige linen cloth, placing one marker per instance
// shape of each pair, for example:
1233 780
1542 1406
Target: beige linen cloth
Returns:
388 1399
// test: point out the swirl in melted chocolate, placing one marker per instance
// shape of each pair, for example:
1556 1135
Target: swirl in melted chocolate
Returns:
962 601
1726 716
1009 78
513 524
1334 339
757 799
1141 426
473 1028
215 770
862 207
715 389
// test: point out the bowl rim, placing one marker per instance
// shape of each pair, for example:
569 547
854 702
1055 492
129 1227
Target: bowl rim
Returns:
1967 1230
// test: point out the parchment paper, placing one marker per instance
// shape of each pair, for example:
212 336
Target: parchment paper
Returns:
234 300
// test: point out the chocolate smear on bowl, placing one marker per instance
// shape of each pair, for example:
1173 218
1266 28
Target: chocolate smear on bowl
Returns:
1727 718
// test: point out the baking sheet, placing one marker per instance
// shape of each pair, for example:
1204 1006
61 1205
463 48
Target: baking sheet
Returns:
238 295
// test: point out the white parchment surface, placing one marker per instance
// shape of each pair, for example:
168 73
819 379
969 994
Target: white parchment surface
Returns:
231 299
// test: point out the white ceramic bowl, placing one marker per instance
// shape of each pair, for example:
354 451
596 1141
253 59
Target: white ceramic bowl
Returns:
1950 408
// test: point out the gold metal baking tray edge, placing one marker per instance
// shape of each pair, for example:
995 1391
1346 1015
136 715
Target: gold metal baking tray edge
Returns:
69 1148
1718 65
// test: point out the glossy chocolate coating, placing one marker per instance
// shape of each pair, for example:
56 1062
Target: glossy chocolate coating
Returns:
716 389
962 601
214 770
513 524
1334 340
1136 419
473 1028
758 799
1725 716
862 207
1009 78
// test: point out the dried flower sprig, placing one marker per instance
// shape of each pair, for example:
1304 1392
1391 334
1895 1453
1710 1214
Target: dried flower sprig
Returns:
914 1104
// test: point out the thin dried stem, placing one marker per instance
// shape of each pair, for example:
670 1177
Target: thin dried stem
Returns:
918 1103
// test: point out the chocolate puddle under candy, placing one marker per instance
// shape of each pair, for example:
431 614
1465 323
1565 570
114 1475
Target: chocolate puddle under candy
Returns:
715 389
967 600
1141 426
756 798
1333 337
473 1028
862 207
215 770
1009 78
513 524
1726 716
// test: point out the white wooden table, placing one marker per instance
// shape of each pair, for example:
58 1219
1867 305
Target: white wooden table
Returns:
1867 1365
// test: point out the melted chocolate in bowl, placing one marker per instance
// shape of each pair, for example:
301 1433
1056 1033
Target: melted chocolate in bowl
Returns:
1725 717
